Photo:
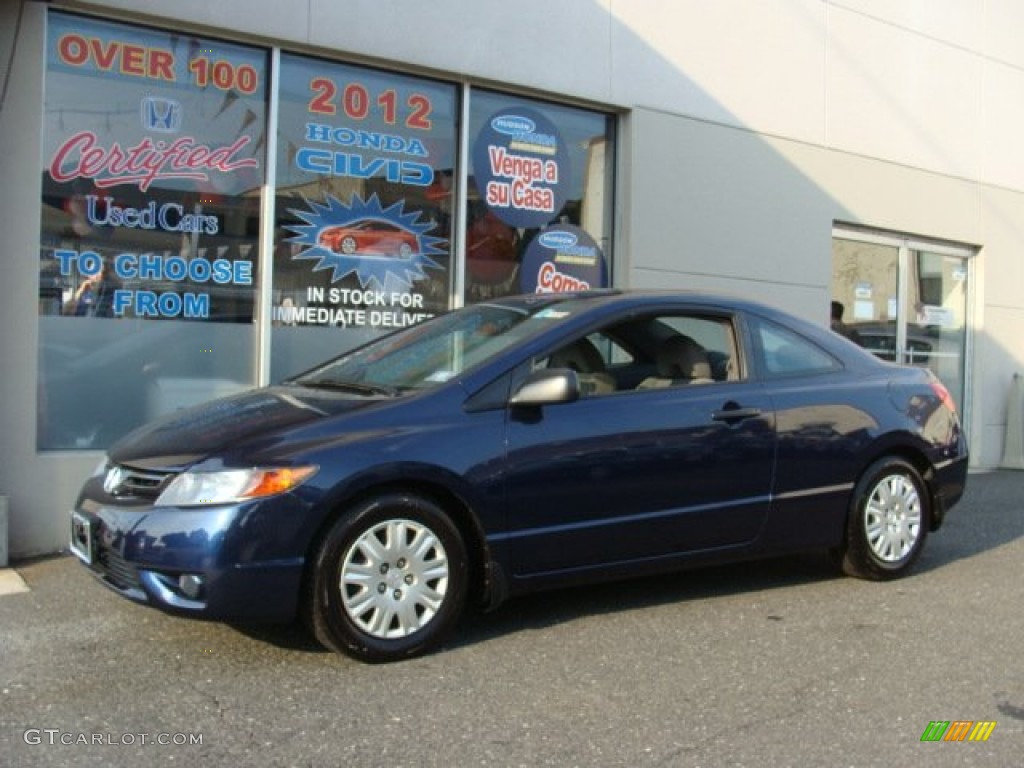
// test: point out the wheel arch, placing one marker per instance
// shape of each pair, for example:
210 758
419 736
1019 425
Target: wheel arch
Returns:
483 586
890 545
918 459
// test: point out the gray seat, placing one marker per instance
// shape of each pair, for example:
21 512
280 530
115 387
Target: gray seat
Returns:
680 361
582 356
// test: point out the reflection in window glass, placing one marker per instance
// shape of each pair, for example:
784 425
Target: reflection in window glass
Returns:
938 337
365 169
431 353
785 353
152 169
538 200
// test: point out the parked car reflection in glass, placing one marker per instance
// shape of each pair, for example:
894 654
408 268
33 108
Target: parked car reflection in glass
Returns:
880 339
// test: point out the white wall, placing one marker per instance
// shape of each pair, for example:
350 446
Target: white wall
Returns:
720 208
40 489
1000 318
916 83
734 62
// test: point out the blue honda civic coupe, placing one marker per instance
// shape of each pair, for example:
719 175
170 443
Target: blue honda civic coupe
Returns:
518 445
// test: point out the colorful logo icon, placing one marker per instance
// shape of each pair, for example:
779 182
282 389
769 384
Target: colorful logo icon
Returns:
958 730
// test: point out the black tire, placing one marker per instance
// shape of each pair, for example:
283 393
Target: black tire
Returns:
389 579
890 514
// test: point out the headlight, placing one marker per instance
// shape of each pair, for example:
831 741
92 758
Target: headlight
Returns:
231 485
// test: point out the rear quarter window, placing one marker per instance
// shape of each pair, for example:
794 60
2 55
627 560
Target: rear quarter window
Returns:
786 353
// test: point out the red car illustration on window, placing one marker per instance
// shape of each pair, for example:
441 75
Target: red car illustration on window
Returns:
370 237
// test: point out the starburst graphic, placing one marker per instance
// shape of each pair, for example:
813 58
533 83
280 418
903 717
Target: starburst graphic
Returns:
365 239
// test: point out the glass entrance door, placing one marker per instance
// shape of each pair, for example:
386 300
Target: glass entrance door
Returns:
938 336
904 300
865 294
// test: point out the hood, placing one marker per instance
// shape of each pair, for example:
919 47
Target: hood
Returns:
183 437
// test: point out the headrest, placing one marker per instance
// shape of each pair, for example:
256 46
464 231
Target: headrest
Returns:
581 356
680 357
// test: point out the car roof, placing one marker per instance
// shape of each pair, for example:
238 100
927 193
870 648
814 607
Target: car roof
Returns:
619 298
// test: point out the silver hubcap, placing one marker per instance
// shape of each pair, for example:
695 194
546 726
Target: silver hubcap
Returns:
893 518
394 579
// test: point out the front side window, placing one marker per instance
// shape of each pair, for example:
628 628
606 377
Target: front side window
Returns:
152 168
650 352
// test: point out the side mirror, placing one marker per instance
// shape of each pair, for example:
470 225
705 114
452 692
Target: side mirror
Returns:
547 386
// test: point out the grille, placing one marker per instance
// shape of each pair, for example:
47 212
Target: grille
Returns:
118 571
129 481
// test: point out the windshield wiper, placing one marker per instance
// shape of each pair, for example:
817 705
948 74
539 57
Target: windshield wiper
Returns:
359 387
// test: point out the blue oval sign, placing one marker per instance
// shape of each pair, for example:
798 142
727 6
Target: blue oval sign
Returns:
562 258
513 125
520 166
558 239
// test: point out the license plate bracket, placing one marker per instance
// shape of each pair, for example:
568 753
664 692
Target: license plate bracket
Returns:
83 537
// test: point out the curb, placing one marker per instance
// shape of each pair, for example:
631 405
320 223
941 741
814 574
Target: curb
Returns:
11 582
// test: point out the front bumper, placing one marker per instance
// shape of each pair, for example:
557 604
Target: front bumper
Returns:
143 554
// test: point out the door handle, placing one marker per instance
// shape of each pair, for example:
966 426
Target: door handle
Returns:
733 414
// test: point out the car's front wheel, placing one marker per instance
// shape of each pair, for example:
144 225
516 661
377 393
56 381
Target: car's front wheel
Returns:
888 520
389 579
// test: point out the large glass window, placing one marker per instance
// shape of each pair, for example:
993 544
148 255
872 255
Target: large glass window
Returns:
152 168
539 197
154 181
365 170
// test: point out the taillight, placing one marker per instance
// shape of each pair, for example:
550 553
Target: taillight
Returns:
943 394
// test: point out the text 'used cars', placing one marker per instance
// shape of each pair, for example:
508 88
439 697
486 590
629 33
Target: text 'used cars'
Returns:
522 444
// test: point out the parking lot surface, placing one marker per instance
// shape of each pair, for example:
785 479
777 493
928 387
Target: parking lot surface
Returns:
781 663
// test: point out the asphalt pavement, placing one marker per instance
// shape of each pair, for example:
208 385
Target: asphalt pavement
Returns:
776 663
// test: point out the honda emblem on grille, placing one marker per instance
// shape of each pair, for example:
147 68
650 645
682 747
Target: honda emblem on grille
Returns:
112 482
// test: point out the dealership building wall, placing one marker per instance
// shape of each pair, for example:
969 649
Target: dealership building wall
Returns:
745 134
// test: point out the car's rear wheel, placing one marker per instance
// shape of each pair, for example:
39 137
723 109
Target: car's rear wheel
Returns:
348 245
389 579
888 521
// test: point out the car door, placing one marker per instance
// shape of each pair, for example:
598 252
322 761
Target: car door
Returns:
642 472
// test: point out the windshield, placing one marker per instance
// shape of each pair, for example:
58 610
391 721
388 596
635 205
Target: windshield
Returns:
433 352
